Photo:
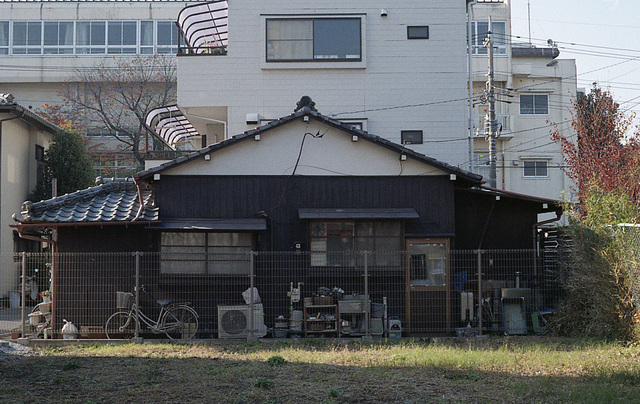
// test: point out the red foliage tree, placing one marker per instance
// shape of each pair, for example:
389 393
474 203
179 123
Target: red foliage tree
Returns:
601 152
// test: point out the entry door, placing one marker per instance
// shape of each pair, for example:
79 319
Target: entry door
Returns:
427 296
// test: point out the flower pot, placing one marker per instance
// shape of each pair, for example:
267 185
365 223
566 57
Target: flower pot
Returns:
46 299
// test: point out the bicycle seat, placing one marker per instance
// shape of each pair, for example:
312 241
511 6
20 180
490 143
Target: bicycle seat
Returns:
163 302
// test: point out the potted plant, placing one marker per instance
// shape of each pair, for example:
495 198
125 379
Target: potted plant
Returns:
46 296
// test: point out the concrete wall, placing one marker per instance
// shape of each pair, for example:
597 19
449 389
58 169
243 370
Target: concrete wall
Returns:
400 84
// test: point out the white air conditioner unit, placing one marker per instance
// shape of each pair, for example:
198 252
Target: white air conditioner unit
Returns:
233 321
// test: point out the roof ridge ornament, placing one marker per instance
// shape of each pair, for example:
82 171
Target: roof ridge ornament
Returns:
305 101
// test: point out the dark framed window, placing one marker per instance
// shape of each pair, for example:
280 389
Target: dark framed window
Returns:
534 104
205 253
411 136
39 155
334 243
418 32
536 168
313 40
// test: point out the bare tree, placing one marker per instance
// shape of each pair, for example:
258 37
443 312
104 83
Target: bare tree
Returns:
116 95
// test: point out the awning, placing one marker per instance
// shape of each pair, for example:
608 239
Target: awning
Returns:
213 224
386 213
170 124
205 26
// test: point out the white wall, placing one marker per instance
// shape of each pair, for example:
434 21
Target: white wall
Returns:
395 72
277 151
17 179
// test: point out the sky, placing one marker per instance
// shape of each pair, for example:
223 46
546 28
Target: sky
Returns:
603 36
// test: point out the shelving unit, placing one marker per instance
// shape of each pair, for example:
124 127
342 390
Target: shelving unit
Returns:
353 312
321 319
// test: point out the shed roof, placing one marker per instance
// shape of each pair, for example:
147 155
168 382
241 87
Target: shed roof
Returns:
116 200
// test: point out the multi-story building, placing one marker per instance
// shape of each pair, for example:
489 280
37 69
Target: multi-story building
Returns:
534 90
397 70
43 44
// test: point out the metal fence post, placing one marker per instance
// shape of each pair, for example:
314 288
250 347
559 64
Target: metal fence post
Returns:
251 336
480 306
23 314
367 307
137 255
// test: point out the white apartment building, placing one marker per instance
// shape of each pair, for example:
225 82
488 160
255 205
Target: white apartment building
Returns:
397 70
534 88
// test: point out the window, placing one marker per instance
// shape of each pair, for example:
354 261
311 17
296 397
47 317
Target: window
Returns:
27 38
318 39
58 38
536 168
167 37
146 37
205 253
90 37
411 136
421 32
122 37
537 104
4 37
428 264
332 243
39 155
479 31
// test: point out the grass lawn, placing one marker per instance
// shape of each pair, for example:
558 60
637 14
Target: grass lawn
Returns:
499 369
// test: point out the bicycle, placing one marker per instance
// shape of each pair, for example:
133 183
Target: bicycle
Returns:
175 320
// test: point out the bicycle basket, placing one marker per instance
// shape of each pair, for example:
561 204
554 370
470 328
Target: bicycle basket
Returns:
124 300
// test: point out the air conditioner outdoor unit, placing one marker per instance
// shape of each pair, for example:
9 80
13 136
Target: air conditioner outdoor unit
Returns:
233 321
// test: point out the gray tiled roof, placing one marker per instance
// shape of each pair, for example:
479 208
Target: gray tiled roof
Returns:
113 201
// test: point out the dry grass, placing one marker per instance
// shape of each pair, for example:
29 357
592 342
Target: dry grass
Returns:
494 370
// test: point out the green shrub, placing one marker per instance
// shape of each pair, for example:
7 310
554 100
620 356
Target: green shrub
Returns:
601 271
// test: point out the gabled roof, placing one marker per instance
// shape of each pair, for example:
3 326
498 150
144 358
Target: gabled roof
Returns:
114 201
313 114
29 117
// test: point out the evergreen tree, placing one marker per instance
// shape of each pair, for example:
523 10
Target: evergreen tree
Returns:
67 161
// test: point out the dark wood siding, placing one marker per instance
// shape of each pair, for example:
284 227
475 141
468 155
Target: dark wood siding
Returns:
486 223
281 197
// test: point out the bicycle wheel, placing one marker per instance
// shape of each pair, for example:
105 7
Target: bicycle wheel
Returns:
180 322
120 325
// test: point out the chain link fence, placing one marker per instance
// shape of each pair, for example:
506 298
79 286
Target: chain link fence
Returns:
295 294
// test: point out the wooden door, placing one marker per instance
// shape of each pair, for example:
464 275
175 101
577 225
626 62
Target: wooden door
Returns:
427 286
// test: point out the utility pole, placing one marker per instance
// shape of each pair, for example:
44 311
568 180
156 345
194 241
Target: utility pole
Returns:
492 125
